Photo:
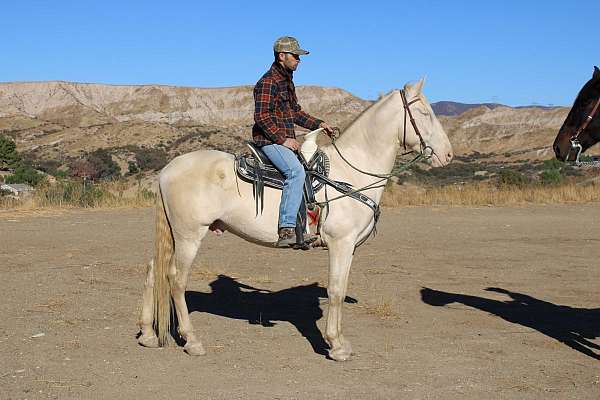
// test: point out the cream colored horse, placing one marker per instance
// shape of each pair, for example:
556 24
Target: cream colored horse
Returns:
200 190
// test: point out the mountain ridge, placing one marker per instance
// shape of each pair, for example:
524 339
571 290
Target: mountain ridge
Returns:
57 118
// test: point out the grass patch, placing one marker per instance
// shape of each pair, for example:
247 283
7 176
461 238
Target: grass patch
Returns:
484 193
72 193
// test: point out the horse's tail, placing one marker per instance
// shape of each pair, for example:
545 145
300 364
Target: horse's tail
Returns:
164 246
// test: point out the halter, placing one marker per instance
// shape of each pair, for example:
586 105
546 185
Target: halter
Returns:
575 144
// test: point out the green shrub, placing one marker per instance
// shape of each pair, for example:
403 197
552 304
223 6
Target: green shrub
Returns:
511 177
132 168
25 174
553 164
551 177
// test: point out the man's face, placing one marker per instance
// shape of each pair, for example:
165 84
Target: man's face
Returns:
289 60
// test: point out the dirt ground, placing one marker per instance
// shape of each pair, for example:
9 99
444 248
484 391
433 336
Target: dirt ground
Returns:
445 303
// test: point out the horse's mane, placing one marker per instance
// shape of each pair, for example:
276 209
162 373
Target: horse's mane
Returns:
379 101
593 85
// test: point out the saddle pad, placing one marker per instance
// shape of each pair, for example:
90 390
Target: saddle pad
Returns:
248 169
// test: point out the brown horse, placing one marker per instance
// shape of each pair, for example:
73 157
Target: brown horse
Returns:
581 129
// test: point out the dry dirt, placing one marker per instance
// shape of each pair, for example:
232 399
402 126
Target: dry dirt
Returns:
445 303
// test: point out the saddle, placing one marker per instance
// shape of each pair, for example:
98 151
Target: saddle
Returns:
256 168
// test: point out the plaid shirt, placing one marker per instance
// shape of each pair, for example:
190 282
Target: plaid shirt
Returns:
276 108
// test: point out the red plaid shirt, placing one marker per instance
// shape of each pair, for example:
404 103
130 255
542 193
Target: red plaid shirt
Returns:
276 108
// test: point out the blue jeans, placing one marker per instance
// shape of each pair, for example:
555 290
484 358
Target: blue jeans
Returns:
287 162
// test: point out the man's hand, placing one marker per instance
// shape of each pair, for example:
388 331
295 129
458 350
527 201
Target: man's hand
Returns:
328 129
291 144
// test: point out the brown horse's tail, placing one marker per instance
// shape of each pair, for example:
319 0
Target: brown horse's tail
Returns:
164 246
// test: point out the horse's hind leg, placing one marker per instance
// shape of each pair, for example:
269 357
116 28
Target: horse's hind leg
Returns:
148 337
185 252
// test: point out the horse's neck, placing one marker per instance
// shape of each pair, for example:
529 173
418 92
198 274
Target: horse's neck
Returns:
371 142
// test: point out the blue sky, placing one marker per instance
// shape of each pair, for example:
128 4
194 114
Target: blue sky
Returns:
512 52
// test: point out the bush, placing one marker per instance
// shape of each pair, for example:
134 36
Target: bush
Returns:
97 164
25 174
553 163
133 169
104 164
510 177
48 166
150 159
551 177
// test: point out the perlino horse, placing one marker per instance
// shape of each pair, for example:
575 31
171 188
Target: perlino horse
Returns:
199 191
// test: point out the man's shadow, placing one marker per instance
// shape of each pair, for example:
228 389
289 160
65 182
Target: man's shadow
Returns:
298 305
574 327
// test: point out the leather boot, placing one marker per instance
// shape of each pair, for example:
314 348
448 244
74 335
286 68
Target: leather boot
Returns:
287 237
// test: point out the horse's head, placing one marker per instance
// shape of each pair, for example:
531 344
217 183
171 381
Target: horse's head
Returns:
426 125
582 125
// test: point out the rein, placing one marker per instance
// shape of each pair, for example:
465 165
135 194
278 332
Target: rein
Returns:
425 152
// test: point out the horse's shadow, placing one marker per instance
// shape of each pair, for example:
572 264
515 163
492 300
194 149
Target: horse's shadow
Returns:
298 305
574 327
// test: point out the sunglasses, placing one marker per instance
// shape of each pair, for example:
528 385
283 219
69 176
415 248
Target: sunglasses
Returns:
296 56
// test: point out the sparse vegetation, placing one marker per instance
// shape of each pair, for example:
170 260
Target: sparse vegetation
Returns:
75 193
24 173
510 177
487 194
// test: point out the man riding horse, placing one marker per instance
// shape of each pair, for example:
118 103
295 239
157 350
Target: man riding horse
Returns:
275 113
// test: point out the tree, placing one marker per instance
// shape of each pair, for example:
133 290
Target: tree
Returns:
9 158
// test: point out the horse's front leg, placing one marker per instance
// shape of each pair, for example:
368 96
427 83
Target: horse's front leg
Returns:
340 259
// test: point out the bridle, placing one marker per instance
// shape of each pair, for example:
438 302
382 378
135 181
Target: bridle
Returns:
575 144
407 104
426 152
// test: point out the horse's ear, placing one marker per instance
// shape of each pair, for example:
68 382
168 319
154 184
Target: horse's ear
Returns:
596 73
419 85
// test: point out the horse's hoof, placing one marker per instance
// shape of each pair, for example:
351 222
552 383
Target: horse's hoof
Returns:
340 354
194 349
148 341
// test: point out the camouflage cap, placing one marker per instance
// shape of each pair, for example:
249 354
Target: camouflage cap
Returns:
288 44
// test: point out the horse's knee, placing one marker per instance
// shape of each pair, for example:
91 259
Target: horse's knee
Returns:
335 297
